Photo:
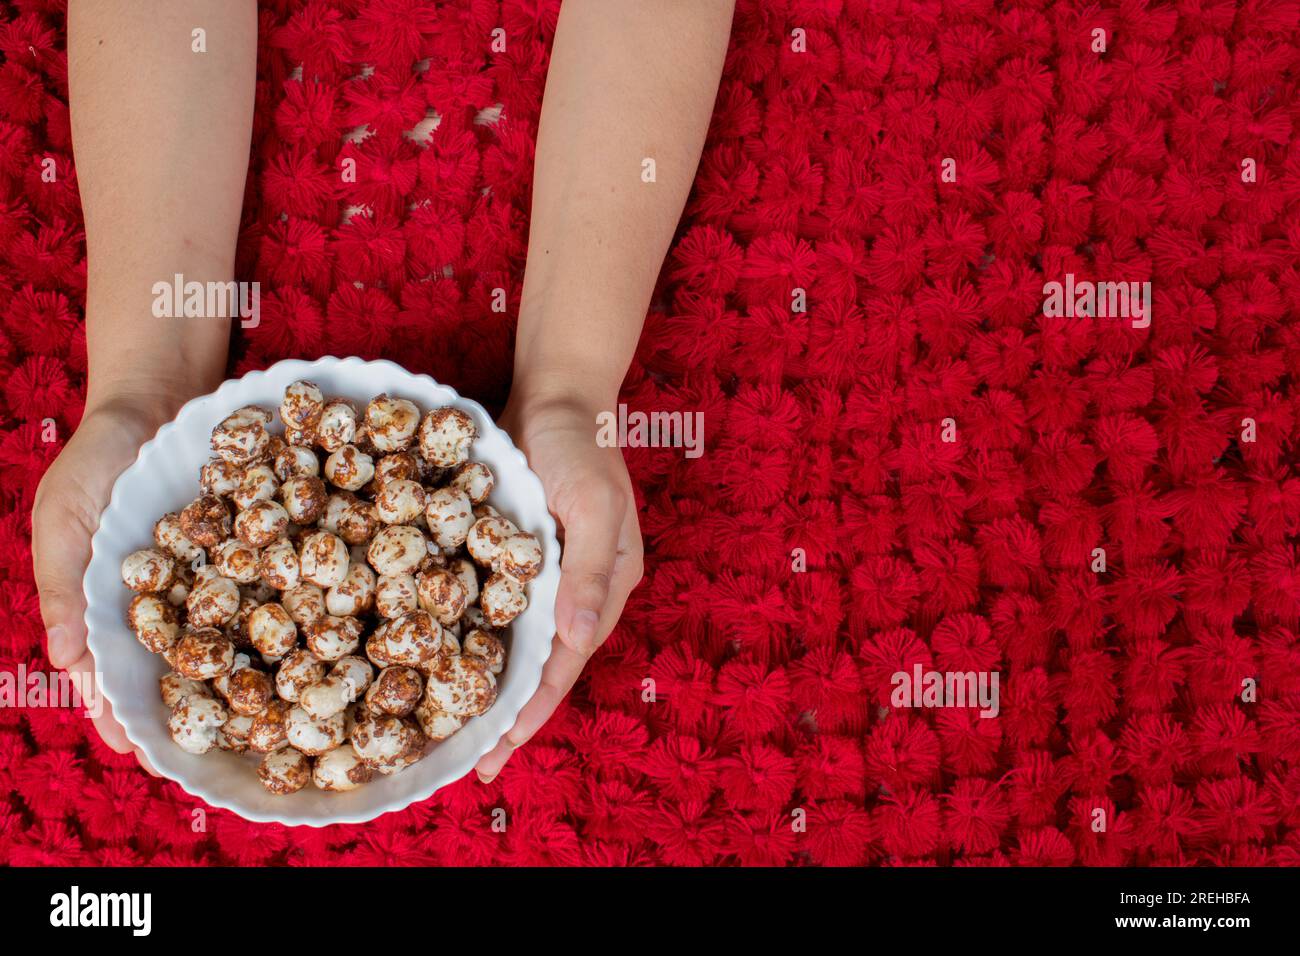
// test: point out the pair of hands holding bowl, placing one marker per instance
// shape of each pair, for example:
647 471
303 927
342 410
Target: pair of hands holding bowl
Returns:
587 487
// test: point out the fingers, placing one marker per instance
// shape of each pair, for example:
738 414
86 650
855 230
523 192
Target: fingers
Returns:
59 555
565 665
625 575
64 515
629 567
591 538
83 674
600 567
145 764
559 674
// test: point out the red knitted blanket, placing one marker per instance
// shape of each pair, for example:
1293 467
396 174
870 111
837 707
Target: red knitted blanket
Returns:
917 468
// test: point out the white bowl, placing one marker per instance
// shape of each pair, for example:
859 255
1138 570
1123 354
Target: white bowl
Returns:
165 478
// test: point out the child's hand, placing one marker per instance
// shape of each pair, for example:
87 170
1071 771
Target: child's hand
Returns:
589 493
65 515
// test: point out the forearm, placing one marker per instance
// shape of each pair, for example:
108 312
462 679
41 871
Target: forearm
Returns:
628 82
161 138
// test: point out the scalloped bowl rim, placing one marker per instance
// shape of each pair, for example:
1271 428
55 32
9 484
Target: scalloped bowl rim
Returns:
524 666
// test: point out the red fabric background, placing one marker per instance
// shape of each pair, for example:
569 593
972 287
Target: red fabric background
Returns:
1119 690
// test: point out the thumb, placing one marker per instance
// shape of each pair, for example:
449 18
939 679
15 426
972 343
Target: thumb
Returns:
60 551
586 568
